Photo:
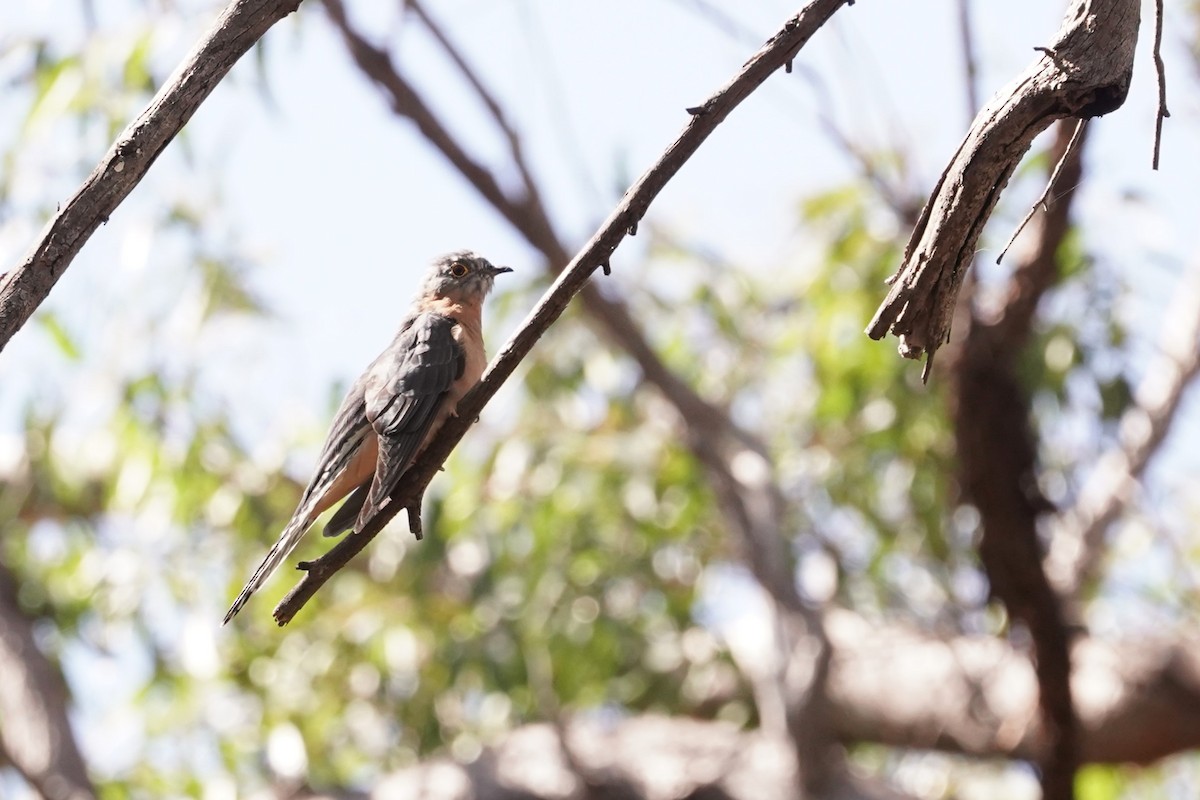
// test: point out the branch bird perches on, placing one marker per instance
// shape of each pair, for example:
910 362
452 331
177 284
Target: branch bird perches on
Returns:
779 50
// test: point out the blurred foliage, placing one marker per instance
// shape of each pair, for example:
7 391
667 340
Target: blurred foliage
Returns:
864 453
568 545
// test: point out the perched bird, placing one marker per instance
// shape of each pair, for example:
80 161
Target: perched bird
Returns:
396 406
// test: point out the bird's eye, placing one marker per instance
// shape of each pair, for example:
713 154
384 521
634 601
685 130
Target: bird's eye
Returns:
458 269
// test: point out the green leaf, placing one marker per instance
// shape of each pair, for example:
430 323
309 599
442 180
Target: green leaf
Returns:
136 71
59 335
1099 782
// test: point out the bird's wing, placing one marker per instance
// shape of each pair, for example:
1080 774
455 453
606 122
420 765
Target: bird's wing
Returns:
348 432
343 519
332 480
403 396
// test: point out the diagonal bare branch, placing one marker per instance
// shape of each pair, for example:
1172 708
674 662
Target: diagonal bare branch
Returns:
1037 269
1051 185
737 463
26 286
776 53
486 97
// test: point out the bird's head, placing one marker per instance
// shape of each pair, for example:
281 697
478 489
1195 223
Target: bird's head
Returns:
462 276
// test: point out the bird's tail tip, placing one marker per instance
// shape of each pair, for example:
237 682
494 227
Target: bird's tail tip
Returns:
236 607
278 552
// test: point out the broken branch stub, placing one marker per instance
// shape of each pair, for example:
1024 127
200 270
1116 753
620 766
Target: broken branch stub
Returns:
1084 73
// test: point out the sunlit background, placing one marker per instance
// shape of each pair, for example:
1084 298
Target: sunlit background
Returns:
160 413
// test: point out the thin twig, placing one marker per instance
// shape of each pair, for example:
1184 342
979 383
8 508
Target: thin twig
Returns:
905 204
482 92
26 286
1161 69
523 213
772 56
1042 201
1038 268
970 66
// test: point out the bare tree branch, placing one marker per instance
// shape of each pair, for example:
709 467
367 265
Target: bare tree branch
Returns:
1078 539
1084 73
904 203
486 97
525 213
737 463
645 758
1161 69
1138 701
779 50
997 456
1037 268
35 732
240 25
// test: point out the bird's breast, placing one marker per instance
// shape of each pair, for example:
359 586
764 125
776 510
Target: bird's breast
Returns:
474 358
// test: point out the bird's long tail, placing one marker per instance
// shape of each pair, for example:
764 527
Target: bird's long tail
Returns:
279 551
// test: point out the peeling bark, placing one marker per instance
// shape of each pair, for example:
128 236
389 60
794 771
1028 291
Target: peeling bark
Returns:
1084 72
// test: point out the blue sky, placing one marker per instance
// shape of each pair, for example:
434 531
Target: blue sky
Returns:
339 205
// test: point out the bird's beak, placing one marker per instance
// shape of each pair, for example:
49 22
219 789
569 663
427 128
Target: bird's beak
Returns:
497 270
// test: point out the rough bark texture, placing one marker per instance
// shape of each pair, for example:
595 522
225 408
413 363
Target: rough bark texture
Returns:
35 733
1084 72
241 24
